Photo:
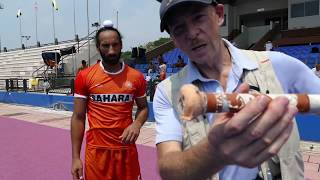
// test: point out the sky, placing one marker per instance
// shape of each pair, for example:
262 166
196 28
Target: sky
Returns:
138 20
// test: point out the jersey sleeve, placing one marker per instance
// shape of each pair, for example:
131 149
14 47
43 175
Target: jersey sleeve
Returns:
80 89
141 87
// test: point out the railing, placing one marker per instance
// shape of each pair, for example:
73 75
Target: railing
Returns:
62 85
159 50
234 33
38 69
259 46
55 82
15 84
64 57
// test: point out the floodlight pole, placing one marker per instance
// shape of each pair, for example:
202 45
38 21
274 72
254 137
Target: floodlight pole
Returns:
117 19
54 28
36 16
74 17
1 7
20 30
99 13
88 32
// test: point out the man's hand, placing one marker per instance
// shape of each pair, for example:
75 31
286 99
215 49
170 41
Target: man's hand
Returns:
254 134
77 169
131 133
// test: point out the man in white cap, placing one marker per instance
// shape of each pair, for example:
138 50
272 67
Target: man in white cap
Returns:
227 146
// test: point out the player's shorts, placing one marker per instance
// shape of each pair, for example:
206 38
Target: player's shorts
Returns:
112 164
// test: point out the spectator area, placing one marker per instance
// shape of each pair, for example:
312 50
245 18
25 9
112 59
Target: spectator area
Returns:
170 57
309 54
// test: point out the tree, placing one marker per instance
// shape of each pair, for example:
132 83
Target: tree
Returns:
161 41
149 46
126 55
152 45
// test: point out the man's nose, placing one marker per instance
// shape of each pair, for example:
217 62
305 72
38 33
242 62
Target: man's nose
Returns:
192 30
112 50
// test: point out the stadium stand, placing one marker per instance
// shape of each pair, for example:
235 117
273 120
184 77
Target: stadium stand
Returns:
28 63
305 53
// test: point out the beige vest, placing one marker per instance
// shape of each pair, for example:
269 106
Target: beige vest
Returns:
290 158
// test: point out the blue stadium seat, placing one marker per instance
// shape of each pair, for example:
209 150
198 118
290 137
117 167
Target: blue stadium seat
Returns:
301 52
169 74
137 66
175 70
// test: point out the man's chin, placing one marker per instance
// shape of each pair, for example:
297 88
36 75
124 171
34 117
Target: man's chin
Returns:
111 62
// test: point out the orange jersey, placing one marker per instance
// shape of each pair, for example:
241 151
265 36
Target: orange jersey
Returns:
110 98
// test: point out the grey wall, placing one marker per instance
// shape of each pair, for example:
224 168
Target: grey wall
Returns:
302 22
225 30
247 7
242 7
252 6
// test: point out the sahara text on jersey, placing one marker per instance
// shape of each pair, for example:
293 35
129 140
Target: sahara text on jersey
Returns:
111 98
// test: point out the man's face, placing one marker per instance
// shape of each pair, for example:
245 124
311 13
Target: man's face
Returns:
194 28
110 47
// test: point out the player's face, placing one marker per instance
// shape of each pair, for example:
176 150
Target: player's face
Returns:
110 47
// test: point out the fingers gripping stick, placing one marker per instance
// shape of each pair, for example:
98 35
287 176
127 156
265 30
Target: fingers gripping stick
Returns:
193 102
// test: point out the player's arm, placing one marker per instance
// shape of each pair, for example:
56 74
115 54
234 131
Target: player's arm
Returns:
142 103
77 132
131 133
141 115
78 125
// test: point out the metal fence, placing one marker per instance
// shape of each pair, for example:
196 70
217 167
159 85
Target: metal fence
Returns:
59 85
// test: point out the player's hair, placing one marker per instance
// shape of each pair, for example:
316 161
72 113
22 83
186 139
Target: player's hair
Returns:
106 28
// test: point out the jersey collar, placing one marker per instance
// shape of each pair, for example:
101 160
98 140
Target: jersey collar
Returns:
113 73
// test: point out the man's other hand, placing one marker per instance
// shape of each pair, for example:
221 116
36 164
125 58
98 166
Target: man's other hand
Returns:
254 134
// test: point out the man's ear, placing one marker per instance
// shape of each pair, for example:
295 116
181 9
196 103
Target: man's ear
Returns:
220 13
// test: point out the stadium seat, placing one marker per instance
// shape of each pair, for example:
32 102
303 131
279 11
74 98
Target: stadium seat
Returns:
302 52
